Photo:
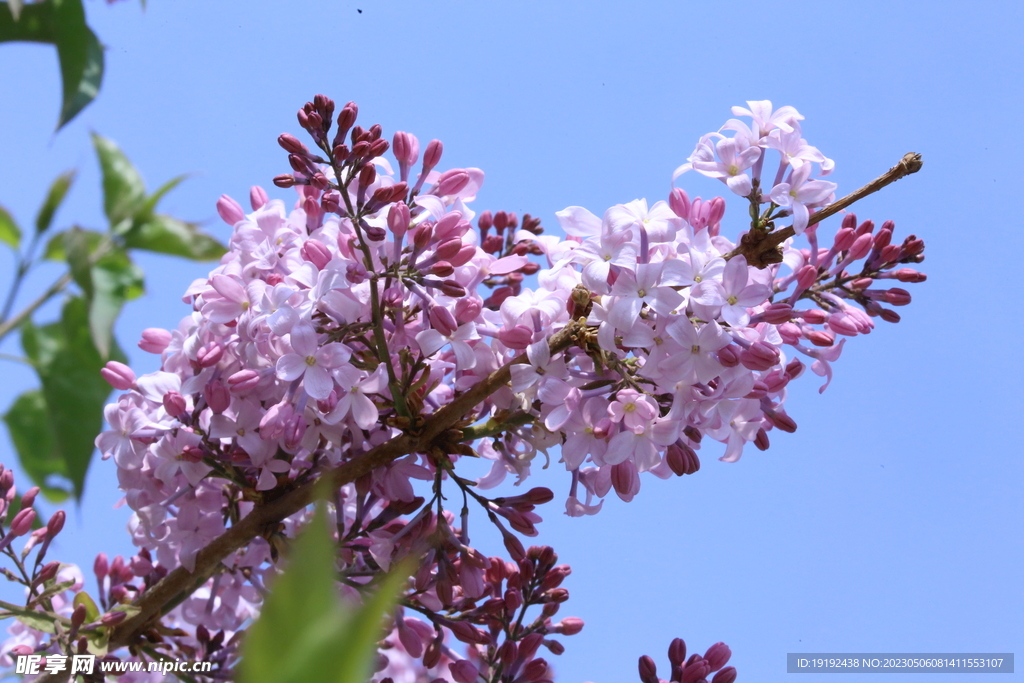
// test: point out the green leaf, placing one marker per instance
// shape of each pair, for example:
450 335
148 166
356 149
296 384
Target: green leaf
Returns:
123 189
76 248
15 6
167 235
305 632
37 620
55 246
68 365
29 425
60 23
10 233
92 612
54 197
115 279
81 58
146 211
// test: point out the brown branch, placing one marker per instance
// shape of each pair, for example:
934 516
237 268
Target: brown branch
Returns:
180 582
761 248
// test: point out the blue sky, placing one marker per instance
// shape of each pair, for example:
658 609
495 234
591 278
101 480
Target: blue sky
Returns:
891 520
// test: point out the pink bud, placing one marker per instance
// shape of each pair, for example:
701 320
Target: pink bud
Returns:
257 197
890 254
174 403
230 210
648 670
442 320
679 202
29 497
154 340
209 355
463 671
448 248
465 255
78 616
820 337
20 651
398 219
761 440
860 247
217 396
467 309
513 599
782 421
118 375
534 671
284 180
101 567
726 675
570 626
844 239
909 275
22 523
432 156
849 221
244 380
729 356
897 296
718 656
814 316
518 338
442 269
882 239
317 253
452 182
806 276
626 480
48 571
406 148
717 211
695 670
778 313
291 144
111 618
56 523
759 356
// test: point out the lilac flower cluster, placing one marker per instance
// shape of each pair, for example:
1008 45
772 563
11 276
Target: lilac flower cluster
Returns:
335 327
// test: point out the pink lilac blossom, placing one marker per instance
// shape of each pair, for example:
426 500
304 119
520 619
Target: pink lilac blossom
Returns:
330 328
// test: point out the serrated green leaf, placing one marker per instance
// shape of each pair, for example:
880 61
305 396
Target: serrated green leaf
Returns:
58 190
29 425
92 612
81 58
10 233
123 189
68 365
167 235
76 249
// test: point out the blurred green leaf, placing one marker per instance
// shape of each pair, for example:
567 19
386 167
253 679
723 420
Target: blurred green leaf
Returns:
146 211
60 23
115 279
68 365
58 190
55 246
10 233
32 433
168 235
92 612
305 632
123 189
76 249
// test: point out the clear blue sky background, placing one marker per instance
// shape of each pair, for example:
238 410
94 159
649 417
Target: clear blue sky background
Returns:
891 520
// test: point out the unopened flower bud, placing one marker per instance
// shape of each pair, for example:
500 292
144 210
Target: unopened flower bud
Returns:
432 155
463 671
648 670
453 289
535 670
243 380
230 210
890 254
860 247
284 180
518 337
844 239
682 459
209 355
154 340
111 618
695 670
398 219
217 396
821 338
22 523
118 375
909 275
729 356
781 421
29 497
726 675
174 403
452 182
777 313
56 523
806 276
257 197
292 144
101 567
759 356
48 572
316 252
679 202
555 647
718 656
467 309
